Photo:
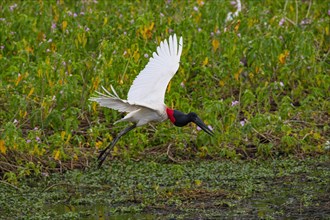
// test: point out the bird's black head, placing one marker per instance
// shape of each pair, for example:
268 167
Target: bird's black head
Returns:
181 119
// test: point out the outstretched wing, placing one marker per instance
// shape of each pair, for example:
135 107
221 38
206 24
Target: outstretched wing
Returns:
150 85
113 101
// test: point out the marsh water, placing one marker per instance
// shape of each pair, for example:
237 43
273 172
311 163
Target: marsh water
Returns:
295 197
194 190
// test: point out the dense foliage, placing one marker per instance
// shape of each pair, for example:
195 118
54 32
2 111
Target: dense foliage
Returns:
261 80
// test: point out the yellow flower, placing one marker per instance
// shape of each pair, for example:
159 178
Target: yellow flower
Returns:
282 57
237 25
57 155
200 2
198 182
215 44
19 78
31 92
3 148
146 31
98 144
64 25
206 61
236 75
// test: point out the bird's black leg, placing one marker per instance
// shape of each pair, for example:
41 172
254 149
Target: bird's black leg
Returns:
104 153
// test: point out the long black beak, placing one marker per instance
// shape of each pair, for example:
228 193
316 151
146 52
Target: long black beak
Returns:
201 124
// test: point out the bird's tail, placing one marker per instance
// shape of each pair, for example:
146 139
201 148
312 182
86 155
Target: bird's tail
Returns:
113 101
107 93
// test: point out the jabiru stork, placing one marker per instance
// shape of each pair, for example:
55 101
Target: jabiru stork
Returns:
145 99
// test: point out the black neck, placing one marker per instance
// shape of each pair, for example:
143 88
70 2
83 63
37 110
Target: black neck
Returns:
182 119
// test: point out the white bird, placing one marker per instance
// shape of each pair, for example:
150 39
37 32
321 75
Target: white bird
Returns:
145 99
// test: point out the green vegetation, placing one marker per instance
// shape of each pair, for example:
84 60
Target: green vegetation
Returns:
260 80
203 189
269 71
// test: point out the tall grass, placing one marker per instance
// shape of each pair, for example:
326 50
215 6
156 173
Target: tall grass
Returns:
261 80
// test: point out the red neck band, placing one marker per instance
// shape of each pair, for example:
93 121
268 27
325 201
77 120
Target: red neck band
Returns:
170 114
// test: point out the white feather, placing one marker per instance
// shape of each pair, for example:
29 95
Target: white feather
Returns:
145 99
150 85
139 114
